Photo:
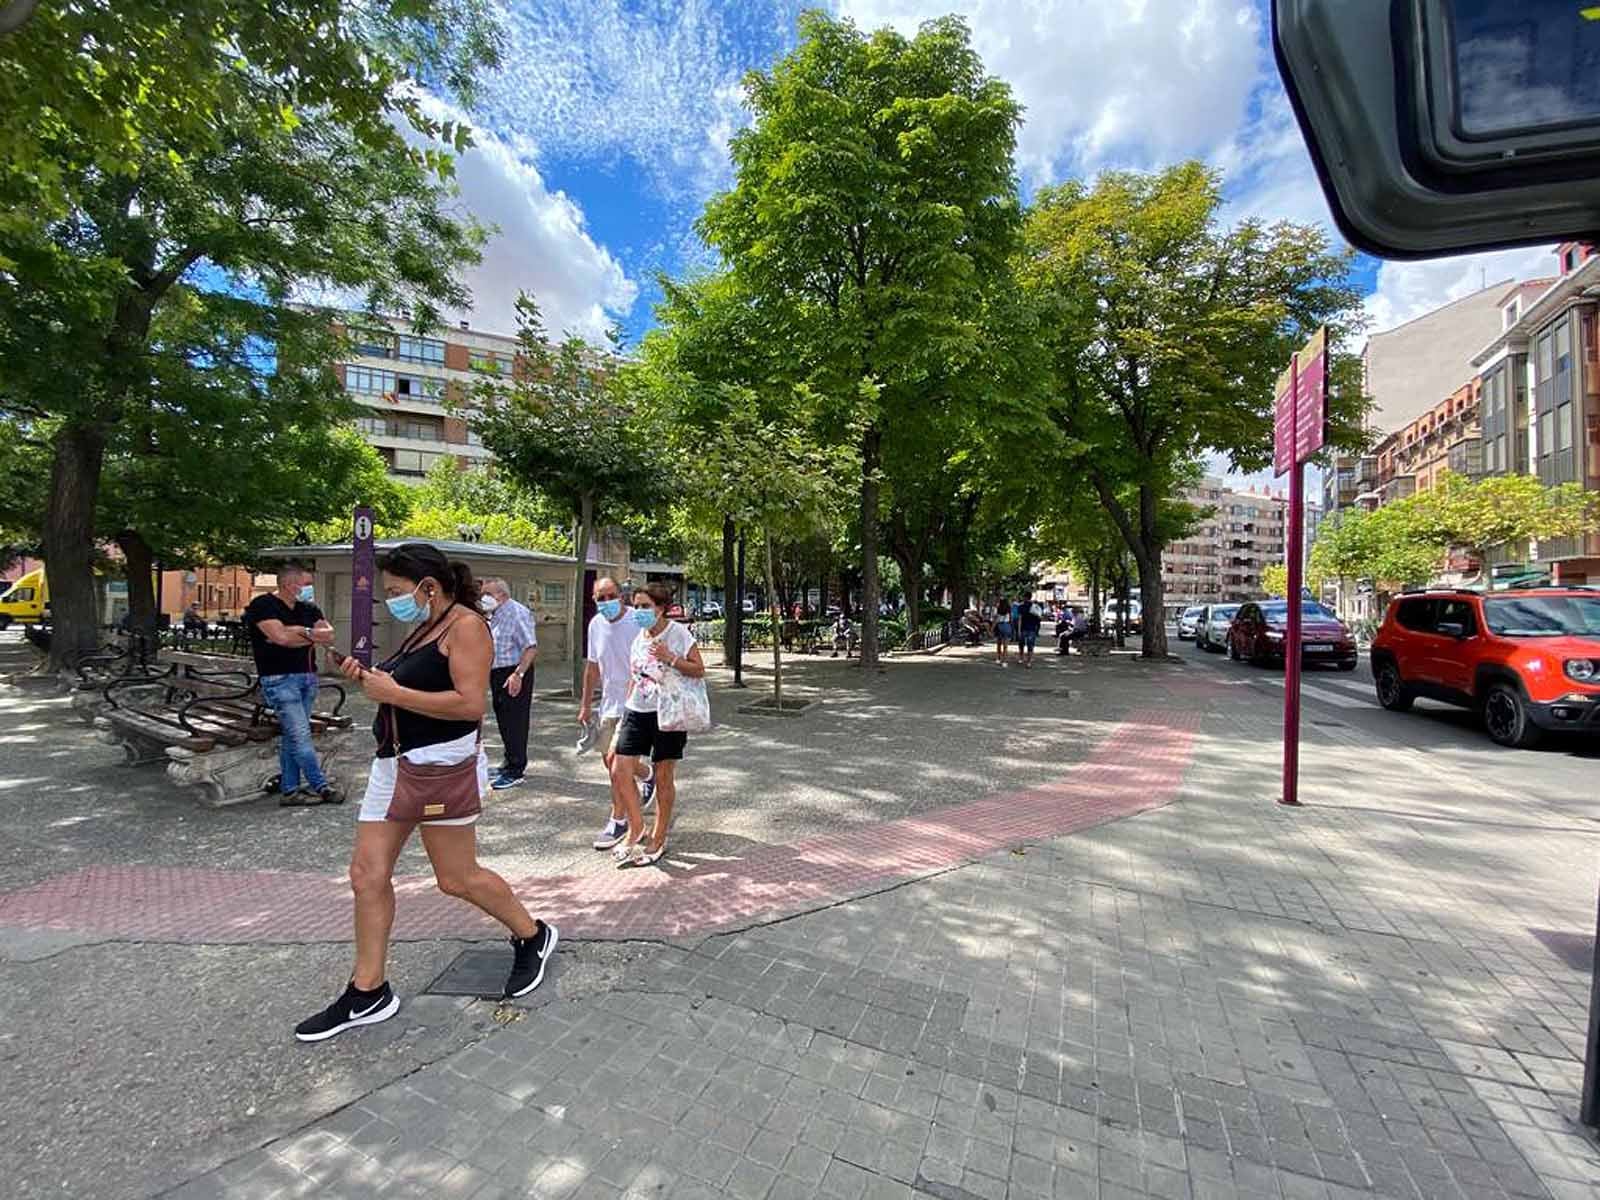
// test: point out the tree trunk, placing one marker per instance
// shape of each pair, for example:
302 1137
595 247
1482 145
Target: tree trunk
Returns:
730 581
581 552
822 594
1152 593
1122 604
777 631
69 543
1094 595
871 445
738 620
139 561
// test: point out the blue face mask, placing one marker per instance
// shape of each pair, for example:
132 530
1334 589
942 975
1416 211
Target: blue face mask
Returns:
644 617
306 594
405 608
610 609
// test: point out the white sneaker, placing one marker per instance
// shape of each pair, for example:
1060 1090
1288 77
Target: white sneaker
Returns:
647 790
613 833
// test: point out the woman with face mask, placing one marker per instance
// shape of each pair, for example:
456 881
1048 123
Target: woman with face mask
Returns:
661 646
430 770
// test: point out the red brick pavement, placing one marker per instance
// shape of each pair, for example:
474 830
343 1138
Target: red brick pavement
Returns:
1138 767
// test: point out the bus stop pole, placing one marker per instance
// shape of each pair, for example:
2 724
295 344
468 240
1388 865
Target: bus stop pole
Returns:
1291 634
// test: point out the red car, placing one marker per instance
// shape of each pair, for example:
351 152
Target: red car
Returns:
1259 629
1528 660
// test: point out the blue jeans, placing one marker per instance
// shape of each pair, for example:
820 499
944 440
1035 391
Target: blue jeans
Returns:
292 698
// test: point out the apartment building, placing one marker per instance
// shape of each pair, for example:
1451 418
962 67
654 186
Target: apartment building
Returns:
402 380
1540 381
1406 370
1448 437
1222 559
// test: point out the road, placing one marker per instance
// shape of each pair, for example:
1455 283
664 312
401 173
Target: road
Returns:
1447 743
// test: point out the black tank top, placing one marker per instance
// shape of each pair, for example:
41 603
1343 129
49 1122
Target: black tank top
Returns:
426 669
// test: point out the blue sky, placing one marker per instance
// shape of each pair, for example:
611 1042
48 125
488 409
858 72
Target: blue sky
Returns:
606 131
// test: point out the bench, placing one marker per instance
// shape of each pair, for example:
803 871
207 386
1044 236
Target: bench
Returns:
122 659
204 718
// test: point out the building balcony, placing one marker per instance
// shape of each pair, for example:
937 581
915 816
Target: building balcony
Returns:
1465 457
1398 488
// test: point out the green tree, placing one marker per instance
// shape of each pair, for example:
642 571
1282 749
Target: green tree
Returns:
775 479
874 199
564 426
1479 515
1275 579
216 157
1165 334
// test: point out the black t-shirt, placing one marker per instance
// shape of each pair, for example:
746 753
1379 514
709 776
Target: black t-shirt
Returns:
1030 619
271 658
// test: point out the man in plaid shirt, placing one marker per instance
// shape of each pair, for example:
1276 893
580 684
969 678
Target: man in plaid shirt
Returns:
516 645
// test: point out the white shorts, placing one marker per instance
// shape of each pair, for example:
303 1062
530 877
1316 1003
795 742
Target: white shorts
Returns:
380 780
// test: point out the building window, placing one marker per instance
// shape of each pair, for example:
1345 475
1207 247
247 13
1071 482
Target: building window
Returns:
416 387
369 380
555 595
374 343
421 350
1512 312
414 462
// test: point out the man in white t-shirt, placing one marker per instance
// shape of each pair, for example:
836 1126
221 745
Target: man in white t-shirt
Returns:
611 636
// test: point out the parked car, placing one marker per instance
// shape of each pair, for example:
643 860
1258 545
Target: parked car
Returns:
1211 631
1260 627
1528 660
1189 622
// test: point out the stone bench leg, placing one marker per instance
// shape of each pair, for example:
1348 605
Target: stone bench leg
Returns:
137 748
235 774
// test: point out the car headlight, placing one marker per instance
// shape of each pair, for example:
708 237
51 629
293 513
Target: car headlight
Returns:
1584 670
1275 635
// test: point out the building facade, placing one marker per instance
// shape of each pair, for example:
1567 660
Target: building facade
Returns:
403 382
1222 558
1540 378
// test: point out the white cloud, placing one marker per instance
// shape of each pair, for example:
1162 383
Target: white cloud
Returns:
1406 290
600 79
541 245
1107 82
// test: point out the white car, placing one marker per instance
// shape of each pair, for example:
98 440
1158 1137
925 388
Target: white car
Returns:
1211 633
1189 622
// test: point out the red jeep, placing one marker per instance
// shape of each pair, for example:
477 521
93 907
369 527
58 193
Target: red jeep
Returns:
1528 660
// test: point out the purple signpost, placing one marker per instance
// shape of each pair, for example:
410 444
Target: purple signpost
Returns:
1299 428
364 563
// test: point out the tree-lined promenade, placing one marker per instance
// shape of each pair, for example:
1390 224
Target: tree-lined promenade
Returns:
902 371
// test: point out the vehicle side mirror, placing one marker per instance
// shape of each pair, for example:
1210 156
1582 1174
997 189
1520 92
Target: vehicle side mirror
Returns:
1453 629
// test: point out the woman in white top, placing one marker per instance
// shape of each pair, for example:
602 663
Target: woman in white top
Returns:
662 646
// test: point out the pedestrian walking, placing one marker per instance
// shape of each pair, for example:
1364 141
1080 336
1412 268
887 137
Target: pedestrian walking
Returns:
285 627
1002 632
662 646
429 770
1028 633
516 647
612 631
844 636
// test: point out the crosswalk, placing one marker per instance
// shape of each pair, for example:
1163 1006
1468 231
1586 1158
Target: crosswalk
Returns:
1353 690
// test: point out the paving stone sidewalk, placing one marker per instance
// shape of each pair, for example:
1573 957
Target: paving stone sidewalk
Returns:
1217 998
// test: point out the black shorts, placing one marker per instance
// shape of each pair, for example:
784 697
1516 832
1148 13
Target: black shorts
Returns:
638 736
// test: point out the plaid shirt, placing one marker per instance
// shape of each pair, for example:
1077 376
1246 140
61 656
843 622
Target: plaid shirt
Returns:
511 624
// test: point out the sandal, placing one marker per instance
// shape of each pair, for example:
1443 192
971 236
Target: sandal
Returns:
639 855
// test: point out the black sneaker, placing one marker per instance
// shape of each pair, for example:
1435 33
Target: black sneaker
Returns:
527 968
328 794
353 1008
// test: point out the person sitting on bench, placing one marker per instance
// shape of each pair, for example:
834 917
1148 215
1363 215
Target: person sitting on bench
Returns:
844 636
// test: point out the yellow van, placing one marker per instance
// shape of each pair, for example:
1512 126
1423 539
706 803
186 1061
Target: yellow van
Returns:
25 601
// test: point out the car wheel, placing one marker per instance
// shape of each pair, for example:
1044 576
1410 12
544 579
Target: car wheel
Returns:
1200 642
1505 717
1348 666
1233 649
1393 694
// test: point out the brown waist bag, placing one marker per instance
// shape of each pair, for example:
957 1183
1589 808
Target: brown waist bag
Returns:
434 792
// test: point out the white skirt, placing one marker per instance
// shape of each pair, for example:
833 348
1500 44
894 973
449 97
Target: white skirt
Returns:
380 780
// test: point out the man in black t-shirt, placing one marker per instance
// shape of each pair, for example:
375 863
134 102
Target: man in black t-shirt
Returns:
285 630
